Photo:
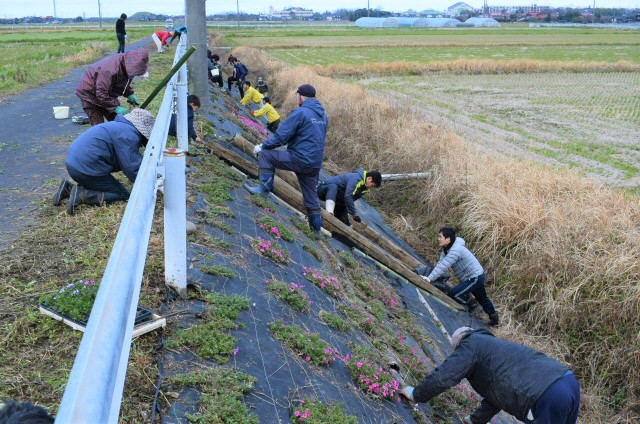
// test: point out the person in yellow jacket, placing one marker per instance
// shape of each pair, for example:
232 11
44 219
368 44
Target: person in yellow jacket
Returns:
251 94
273 118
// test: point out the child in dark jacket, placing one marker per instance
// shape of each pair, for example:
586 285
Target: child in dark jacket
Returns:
193 104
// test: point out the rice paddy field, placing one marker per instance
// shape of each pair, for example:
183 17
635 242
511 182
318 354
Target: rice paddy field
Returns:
567 97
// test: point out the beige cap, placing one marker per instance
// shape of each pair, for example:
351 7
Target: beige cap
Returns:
142 119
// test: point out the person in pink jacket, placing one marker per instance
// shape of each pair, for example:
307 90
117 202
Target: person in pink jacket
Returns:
161 38
106 80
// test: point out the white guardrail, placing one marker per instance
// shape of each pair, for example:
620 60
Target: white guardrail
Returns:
94 390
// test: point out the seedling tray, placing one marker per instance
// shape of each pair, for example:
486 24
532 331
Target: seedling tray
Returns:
145 322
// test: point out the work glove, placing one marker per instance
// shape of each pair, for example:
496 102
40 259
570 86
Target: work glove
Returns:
251 113
425 278
257 149
467 420
126 36
407 392
121 110
357 218
133 100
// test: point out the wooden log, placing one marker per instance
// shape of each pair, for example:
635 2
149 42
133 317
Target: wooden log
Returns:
362 228
292 196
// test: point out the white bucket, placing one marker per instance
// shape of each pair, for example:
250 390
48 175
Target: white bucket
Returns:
61 112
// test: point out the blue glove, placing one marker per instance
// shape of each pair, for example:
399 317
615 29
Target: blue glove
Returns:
133 100
121 110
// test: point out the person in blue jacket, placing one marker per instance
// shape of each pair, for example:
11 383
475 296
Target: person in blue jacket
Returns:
467 269
97 153
525 383
304 133
193 104
239 75
341 192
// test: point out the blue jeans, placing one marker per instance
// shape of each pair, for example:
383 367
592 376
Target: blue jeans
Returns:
474 286
560 403
307 177
113 190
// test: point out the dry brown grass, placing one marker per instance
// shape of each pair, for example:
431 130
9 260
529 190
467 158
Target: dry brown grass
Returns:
562 252
95 49
476 66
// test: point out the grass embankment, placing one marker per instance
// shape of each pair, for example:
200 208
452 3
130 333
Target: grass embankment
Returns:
33 58
37 352
562 252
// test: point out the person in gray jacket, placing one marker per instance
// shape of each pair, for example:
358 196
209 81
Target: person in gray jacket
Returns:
467 269
511 377
341 192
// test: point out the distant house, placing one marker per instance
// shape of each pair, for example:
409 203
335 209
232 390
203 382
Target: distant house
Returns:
538 16
430 13
455 9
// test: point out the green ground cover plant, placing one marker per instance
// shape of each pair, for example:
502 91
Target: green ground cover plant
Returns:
211 339
74 300
290 293
219 270
305 344
271 250
313 251
315 412
334 321
329 284
221 397
303 226
271 227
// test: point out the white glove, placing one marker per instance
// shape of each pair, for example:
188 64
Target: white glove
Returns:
407 392
257 149
126 36
425 278
467 420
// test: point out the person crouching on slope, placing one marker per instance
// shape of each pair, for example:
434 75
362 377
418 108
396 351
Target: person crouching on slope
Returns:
341 192
273 117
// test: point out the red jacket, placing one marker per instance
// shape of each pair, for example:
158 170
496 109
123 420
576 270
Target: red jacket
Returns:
106 80
163 36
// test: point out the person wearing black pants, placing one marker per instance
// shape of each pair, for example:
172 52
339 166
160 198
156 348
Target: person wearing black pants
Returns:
121 32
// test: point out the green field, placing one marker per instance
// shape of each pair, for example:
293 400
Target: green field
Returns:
28 59
358 55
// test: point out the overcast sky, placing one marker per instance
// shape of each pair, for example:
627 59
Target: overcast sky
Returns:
89 8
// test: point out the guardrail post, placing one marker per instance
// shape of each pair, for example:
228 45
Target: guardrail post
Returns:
181 88
175 217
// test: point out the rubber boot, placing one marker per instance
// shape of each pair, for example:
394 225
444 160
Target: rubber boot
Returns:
330 206
265 187
493 320
63 192
473 305
315 222
80 195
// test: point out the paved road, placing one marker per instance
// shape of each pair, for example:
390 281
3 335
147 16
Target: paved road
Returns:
33 145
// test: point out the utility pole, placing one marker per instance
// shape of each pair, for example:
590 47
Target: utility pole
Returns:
99 14
593 14
54 9
368 8
196 22
238 12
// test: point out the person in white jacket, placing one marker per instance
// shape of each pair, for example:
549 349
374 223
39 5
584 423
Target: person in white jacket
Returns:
467 269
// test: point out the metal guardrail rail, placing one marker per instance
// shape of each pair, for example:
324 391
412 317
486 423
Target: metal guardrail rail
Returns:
94 390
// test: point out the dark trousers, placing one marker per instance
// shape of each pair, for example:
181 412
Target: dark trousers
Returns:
113 190
120 43
474 286
332 192
217 80
273 126
96 114
307 177
239 83
560 403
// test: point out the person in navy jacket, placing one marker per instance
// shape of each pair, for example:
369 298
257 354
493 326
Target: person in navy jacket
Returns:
100 151
304 133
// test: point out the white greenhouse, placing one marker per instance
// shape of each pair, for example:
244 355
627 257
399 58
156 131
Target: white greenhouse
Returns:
442 22
482 22
377 23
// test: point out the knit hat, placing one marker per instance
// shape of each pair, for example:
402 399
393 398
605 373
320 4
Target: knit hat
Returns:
142 119
306 90
458 335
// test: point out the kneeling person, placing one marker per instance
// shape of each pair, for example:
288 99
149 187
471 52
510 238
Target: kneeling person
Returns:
341 192
100 151
273 117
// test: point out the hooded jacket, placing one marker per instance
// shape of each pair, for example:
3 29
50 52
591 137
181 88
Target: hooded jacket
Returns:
253 95
106 80
270 111
106 148
509 376
304 133
461 261
351 187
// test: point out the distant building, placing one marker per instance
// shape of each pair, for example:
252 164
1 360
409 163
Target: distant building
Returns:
455 9
518 9
293 13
